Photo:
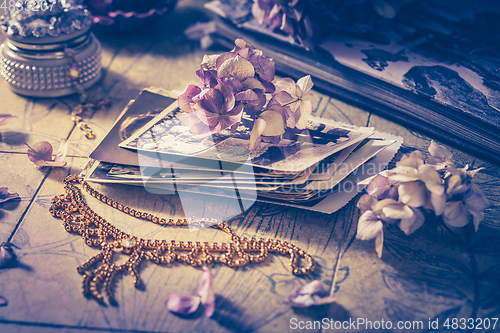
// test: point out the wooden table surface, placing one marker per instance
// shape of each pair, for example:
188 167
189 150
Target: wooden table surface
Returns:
430 274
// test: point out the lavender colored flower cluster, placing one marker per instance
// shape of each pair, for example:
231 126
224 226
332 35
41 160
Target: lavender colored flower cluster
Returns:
241 78
303 19
420 184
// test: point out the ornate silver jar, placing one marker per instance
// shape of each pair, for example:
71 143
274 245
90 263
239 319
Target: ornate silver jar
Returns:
49 50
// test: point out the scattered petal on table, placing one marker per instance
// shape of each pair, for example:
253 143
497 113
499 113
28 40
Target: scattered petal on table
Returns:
3 301
61 152
40 152
6 196
206 291
7 254
182 304
308 295
4 118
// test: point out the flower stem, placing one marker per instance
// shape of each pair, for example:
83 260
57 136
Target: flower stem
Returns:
298 99
473 262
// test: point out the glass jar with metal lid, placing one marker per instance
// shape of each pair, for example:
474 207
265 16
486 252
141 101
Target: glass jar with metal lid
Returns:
49 50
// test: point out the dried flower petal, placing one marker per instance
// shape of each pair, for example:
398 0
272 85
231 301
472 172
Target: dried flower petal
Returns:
4 118
393 210
378 185
252 83
264 67
185 99
409 225
475 189
403 174
288 85
413 194
6 196
61 152
309 295
305 84
223 57
255 99
206 291
455 214
417 154
369 226
258 128
40 152
475 202
455 185
3 301
438 203
274 117
7 254
431 179
182 304
472 173
271 122
290 95
209 62
366 202
238 68
410 162
207 80
439 152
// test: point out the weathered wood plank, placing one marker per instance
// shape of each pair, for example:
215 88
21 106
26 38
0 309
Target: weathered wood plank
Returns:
432 273
331 108
37 120
21 176
248 299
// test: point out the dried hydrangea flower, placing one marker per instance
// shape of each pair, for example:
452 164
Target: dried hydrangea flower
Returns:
419 187
456 213
241 78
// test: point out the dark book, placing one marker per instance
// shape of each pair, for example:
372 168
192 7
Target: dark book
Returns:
426 78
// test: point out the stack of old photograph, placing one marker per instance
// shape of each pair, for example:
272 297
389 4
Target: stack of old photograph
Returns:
320 168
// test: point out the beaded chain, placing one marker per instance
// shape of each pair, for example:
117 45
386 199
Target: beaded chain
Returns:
78 217
74 74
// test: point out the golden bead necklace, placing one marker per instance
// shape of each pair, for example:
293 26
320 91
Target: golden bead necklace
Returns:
78 217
